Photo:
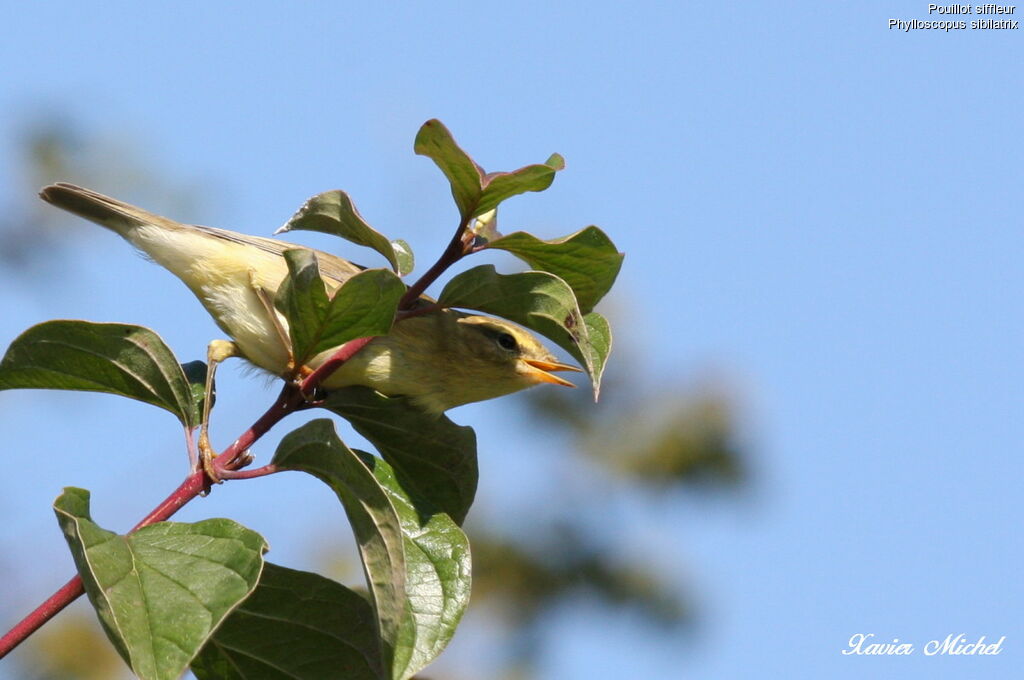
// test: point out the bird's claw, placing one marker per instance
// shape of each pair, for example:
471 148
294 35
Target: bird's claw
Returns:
217 476
206 458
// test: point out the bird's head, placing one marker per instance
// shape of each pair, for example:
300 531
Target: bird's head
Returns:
505 355
448 358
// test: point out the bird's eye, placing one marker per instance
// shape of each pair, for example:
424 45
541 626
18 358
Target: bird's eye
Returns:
508 342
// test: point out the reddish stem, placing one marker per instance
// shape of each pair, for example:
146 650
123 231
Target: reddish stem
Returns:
43 613
344 353
289 400
193 485
292 398
73 589
452 254
422 310
249 474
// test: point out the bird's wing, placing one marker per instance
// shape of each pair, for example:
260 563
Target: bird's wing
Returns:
331 266
124 218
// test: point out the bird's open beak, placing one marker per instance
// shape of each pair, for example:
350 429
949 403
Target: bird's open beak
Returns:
539 371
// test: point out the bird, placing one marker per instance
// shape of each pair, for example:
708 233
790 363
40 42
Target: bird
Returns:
438 360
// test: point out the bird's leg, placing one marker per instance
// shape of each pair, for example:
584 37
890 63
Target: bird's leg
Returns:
216 352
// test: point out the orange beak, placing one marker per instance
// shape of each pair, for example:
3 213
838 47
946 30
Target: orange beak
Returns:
540 370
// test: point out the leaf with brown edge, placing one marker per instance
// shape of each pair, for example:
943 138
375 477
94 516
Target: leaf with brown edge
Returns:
466 177
587 260
537 300
333 212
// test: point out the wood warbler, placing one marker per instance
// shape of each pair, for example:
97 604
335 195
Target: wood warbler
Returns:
440 360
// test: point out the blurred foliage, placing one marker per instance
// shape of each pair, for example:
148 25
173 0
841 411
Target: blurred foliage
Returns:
27 230
528 582
665 441
50 148
662 440
34 239
71 647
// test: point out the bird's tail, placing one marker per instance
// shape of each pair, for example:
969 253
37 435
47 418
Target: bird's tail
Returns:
105 211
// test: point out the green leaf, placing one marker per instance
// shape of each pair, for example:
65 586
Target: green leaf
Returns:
438 574
404 256
434 458
587 260
161 591
121 359
555 162
538 300
501 185
435 142
333 212
195 374
476 193
600 335
363 306
416 559
294 625
302 297
314 448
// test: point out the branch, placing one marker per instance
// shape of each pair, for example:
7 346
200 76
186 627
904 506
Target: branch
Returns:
43 613
456 249
333 363
293 397
193 485
288 401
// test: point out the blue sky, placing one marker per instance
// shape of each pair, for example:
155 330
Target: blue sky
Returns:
822 209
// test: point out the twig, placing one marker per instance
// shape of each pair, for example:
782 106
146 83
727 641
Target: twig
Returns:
228 463
453 253
289 400
43 613
73 589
